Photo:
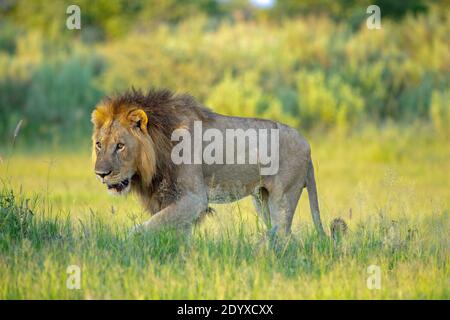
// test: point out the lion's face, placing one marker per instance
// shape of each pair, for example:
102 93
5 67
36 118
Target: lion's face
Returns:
116 151
122 148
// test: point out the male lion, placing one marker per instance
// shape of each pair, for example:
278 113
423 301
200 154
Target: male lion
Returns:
132 146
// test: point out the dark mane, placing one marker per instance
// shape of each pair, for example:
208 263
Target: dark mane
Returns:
166 112
163 107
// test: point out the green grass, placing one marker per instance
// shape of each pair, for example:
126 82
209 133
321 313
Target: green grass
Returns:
391 185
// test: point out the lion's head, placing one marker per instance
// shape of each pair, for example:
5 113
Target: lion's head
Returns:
123 150
132 140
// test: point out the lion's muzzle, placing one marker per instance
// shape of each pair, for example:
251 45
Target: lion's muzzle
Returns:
119 187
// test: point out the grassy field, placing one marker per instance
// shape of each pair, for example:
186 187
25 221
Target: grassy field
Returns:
391 185
373 102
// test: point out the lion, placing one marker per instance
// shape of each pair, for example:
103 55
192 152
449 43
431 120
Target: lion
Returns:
132 151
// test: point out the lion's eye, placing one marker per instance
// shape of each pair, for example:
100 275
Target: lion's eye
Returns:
98 145
120 146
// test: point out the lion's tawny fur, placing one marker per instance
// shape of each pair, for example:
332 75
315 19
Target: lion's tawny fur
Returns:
177 195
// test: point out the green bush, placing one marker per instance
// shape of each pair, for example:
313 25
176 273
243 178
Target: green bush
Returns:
329 102
440 111
61 97
311 72
54 100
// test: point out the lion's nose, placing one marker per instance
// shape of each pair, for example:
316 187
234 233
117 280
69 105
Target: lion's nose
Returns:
102 174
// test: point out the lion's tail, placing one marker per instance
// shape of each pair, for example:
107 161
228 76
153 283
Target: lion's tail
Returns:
338 226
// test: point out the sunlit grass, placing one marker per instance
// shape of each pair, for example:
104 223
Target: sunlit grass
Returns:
391 185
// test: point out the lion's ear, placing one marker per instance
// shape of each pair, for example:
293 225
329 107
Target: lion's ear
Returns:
138 118
98 117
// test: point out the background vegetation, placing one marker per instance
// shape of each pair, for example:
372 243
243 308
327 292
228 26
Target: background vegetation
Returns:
374 104
314 69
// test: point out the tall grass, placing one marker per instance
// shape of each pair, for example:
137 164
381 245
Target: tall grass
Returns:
387 184
36 250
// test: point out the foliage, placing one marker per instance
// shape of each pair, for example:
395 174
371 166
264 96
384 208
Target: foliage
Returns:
54 96
113 19
325 76
440 111
309 73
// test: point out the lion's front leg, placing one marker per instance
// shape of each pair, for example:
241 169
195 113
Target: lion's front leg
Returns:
180 215
183 213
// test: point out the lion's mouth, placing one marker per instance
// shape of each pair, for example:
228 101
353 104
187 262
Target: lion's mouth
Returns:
119 187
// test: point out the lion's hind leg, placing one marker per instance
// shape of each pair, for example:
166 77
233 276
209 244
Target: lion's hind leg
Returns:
282 205
279 212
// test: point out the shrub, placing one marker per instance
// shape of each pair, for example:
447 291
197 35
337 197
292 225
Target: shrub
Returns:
61 97
329 102
440 111
54 98
309 72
